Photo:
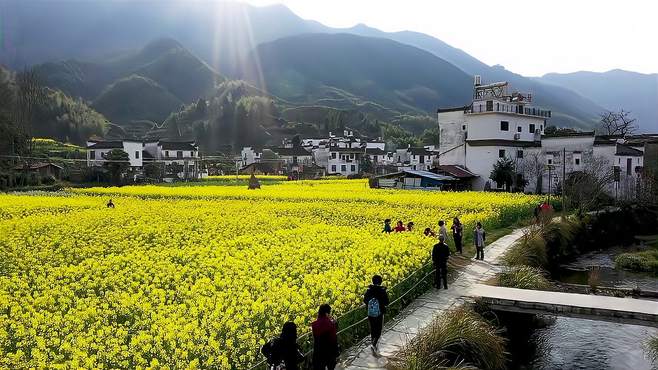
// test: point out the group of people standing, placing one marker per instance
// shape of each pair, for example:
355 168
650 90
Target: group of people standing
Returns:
283 352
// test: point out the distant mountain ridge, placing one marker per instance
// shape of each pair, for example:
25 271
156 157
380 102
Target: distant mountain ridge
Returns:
614 90
223 34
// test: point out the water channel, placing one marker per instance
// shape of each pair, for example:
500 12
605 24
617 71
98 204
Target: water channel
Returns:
568 343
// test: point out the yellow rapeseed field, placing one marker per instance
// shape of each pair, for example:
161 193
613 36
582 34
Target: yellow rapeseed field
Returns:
200 276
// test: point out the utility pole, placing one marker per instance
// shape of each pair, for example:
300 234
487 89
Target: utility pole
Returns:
550 179
564 174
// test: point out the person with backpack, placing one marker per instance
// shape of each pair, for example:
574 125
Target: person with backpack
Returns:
325 340
283 352
440 255
479 237
376 300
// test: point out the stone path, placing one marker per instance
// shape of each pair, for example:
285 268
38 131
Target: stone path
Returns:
422 311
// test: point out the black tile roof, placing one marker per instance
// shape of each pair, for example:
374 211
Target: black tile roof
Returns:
296 151
178 145
106 145
502 142
626 150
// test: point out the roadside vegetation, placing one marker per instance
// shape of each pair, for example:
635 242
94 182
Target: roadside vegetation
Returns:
642 261
524 277
459 339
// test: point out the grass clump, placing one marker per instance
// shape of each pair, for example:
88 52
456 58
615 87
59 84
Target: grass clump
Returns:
530 250
646 261
524 277
459 339
651 349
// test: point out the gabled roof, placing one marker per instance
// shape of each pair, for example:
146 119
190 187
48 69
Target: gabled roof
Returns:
502 142
568 134
115 144
456 171
375 151
452 109
295 151
177 145
419 173
627 151
419 151
34 166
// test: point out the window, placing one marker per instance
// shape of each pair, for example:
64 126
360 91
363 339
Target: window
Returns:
497 107
333 168
179 154
504 126
333 155
166 153
137 154
501 153
519 154
629 165
519 129
531 128
464 127
550 160
541 128
92 154
343 167
577 161
353 168
489 105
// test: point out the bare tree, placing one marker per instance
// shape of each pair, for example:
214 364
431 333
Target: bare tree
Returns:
584 189
617 123
533 166
28 95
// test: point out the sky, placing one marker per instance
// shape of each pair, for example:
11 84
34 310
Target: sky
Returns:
530 37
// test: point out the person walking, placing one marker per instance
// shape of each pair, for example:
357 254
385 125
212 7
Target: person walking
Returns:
284 349
442 230
387 226
479 237
399 227
440 255
376 300
457 233
325 340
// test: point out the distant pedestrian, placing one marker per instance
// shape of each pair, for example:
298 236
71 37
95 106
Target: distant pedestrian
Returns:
442 230
429 232
284 350
387 226
110 204
399 227
376 299
325 340
479 237
410 226
440 255
457 233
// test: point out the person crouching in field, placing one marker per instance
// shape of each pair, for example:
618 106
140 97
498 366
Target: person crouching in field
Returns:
457 233
429 232
479 237
325 340
440 255
387 226
284 349
110 204
376 300
399 227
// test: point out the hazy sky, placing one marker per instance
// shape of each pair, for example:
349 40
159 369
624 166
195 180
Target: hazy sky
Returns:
528 37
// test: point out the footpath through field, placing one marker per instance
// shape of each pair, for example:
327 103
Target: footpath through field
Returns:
422 311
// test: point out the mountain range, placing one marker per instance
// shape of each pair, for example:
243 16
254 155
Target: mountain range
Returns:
299 63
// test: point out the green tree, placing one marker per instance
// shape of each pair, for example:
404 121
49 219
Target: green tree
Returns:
503 173
366 165
117 162
430 136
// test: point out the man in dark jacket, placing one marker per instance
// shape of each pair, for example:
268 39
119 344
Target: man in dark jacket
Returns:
325 340
440 255
376 300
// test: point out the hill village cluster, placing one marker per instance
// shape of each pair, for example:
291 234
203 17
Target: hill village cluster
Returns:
496 124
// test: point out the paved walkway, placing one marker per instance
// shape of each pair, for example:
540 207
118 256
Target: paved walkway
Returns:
422 311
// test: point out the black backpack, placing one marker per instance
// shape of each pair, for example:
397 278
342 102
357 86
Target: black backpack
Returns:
271 352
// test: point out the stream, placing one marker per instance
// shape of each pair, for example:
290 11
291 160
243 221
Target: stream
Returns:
569 343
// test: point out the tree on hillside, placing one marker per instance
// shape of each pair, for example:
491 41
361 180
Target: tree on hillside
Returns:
617 123
503 173
430 136
117 162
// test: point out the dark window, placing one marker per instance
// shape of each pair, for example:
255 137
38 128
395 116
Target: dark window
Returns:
519 154
497 107
137 154
333 155
531 128
501 153
179 154
504 126
464 127
550 161
422 159
166 154
489 105
353 168
333 168
92 154
343 167
629 165
577 160
519 129
541 128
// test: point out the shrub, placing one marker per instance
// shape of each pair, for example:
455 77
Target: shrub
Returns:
652 350
524 277
635 262
530 250
458 339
